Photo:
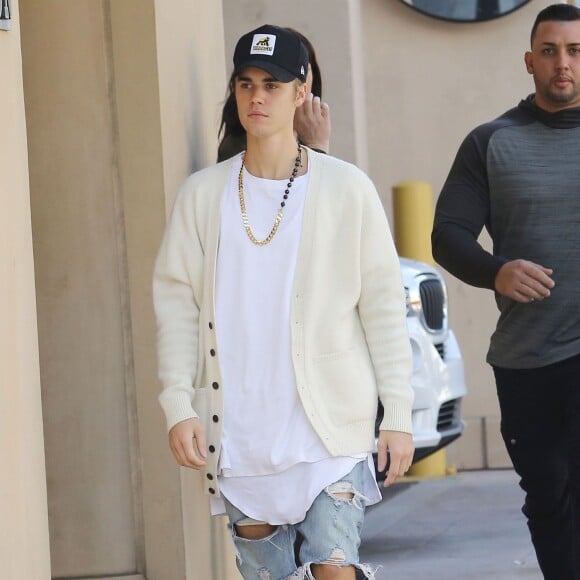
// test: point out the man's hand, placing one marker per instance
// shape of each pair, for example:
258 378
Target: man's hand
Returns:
524 281
312 123
399 447
187 442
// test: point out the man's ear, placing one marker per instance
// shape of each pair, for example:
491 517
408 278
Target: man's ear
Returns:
300 94
529 60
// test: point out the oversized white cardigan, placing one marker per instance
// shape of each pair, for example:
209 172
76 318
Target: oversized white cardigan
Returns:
349 334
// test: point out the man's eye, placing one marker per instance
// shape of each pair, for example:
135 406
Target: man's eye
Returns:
548 51
271 86
575 50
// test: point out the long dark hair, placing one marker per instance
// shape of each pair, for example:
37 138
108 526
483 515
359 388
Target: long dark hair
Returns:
316 76
231 133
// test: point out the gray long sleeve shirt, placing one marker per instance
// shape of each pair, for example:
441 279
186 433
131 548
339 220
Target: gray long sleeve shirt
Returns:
519 177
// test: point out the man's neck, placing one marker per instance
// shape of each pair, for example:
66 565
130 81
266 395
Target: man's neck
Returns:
271 158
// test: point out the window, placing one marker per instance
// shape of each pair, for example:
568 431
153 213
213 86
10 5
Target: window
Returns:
5 17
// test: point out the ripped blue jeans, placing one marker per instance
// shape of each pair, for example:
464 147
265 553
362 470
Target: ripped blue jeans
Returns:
330 531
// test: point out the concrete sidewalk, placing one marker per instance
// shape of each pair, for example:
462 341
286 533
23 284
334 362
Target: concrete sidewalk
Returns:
463 527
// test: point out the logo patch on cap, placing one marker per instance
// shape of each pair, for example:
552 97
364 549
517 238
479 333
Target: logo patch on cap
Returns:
263 44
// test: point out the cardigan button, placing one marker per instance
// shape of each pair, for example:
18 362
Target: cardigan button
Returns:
211 449
209 476
212 352
215 386
211 325
211 490
215 419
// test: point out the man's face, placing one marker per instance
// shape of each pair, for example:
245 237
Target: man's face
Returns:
554 62
266 106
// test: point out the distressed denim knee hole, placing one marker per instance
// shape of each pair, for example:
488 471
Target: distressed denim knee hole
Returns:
269 531
270 539
267 538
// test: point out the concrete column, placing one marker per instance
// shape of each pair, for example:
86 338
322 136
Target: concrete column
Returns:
167 95
192 82
138 142
24 548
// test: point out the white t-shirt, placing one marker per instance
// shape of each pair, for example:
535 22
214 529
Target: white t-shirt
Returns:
272 464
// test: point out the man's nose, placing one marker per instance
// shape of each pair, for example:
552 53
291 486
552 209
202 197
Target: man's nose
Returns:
563 60
258 95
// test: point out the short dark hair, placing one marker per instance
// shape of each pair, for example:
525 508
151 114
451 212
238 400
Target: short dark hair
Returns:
557 13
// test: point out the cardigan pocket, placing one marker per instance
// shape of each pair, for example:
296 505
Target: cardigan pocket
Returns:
345 383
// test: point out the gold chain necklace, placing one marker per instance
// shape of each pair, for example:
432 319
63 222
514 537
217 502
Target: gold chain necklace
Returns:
278 219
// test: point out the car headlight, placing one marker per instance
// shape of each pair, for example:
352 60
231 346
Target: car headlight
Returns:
412 302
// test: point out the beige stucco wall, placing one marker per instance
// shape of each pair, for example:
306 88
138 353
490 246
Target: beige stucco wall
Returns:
24 551
85 349
122 105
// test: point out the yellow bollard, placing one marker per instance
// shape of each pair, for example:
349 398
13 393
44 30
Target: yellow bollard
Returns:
413 214
433 466
413 217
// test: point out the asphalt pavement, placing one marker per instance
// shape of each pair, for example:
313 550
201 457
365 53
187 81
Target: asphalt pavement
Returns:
467 526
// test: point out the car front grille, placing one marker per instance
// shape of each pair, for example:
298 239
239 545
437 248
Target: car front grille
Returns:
449 415
432 302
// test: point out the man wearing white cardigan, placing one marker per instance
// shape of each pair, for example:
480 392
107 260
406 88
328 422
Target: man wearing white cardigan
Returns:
281 319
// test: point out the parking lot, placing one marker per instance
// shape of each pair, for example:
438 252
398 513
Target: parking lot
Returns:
465 526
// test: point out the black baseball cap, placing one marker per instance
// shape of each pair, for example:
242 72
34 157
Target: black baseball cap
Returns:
275 50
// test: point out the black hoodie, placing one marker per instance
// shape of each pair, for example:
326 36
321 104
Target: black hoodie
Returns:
519 177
